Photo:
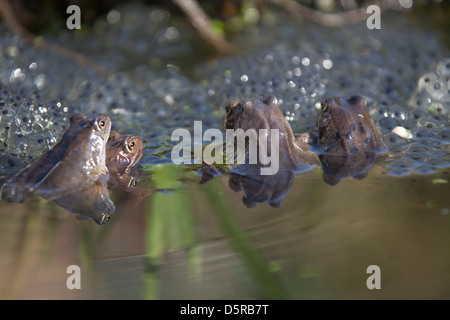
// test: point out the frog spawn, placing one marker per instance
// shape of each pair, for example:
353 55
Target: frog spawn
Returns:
28 126
433 90
297 80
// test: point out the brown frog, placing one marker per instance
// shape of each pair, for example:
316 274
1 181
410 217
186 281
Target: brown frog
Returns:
264 113
345 127
76 161
122 153
348 139
72 174
294 153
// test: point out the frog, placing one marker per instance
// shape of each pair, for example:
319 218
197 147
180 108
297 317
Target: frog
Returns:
122 153
264 113
347 139
295 153
75 162
344 127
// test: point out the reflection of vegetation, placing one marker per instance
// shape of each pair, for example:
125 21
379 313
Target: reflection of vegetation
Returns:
24 246
170 226
258 268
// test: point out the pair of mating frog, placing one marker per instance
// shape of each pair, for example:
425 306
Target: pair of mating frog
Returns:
76 171
346 144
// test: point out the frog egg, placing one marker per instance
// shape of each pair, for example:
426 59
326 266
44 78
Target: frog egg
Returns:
444 135
418 157
424 170
387 124
423 133
398 112
378 111
393 140
437 162
439 91
417 114
429 123
402 164
443 68
441 108
409 124
421 100
398 172
7 112
431 142
417 147
10 161
427 81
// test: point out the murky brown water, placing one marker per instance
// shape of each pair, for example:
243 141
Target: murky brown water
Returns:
319 245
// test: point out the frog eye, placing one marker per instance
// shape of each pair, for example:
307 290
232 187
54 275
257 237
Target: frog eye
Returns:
240 107
130 146
106 217
229 111
325 106
132 183
102 124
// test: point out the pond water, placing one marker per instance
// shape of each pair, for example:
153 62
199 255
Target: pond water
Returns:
174 238
201 242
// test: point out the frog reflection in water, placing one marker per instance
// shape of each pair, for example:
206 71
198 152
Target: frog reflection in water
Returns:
123 152
347 138
73 172
347 141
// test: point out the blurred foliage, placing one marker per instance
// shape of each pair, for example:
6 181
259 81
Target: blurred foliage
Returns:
227 15
170 225
261 271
